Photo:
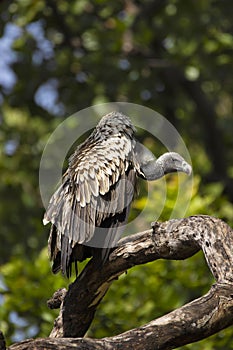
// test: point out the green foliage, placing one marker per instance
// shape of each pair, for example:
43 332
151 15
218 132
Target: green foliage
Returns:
26 286
173 56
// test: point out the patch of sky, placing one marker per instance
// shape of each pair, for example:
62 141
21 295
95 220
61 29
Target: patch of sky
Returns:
45 46
124 64
24 330
81 77
145 95
8 56
10 147
47 97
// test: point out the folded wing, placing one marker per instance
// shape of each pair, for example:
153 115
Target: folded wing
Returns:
93 200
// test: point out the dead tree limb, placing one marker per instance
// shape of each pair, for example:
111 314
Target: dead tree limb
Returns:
174 239
192 322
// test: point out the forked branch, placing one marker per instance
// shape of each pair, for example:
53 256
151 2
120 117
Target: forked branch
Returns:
174 239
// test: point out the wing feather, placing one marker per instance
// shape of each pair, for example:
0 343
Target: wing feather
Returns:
94 186
93 193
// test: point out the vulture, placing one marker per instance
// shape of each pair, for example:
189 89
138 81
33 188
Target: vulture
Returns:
89 209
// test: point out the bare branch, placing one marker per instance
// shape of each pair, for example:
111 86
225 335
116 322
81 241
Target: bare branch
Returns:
194 321
174 239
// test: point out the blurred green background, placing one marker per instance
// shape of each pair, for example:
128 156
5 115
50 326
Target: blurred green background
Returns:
57 57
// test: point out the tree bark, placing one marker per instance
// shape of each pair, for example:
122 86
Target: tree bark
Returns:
174 239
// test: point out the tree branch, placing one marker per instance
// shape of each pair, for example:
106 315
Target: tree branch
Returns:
194 321
174 239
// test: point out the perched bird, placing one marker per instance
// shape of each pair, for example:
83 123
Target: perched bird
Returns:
92 204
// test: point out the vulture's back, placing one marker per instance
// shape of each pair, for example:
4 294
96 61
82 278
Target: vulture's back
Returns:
92 203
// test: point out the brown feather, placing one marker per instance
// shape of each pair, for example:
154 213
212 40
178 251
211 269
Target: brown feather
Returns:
94 193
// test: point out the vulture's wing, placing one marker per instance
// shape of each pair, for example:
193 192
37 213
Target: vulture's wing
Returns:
97 190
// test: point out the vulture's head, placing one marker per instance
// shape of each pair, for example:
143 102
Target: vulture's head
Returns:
172 162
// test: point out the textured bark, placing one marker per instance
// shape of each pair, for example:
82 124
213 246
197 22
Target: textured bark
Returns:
174 239
194 321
